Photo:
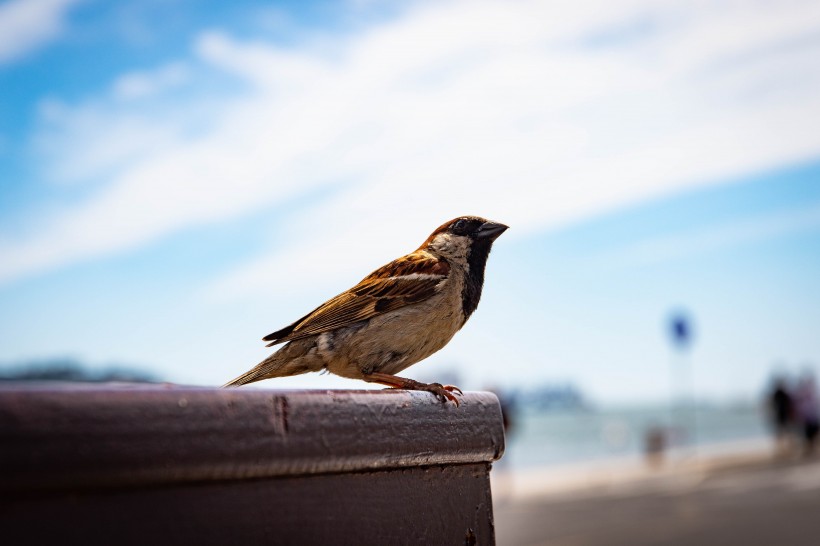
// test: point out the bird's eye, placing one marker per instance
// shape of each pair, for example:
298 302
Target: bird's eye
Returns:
460 226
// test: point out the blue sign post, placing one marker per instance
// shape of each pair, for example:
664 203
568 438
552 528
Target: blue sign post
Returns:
680 330
681 335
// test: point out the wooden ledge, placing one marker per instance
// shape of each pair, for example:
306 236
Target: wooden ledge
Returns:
58 436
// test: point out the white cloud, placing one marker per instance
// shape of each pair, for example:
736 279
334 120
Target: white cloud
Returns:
26 25
509 110
95 141
138 85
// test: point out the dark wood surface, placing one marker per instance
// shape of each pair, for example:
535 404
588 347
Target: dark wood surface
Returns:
424 505
171 465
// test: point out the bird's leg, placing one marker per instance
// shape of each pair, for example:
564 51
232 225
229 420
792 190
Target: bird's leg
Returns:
444 392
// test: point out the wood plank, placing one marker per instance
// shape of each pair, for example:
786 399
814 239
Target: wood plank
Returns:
412 506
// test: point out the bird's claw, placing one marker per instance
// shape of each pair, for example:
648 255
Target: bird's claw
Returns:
445 392
442 392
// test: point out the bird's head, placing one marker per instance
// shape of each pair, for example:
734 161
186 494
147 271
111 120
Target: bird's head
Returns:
464 237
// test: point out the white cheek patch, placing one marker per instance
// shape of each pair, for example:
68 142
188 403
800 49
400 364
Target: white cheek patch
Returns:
450 245
440 241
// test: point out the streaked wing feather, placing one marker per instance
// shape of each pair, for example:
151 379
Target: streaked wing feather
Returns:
411 280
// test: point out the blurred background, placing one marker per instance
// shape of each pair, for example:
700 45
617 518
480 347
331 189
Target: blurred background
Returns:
179 178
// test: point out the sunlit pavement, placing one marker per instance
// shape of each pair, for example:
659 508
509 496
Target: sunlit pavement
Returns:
763 503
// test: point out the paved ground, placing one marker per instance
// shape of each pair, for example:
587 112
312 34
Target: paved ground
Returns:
762 503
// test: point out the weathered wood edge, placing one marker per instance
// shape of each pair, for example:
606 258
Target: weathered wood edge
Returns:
56 437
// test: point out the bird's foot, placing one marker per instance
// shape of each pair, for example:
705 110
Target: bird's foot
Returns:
443 392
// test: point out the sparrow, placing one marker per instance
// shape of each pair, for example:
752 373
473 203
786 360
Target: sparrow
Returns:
398 315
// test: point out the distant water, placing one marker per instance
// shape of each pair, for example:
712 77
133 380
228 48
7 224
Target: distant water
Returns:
561 437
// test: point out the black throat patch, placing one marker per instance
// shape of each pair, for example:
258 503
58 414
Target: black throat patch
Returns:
479 251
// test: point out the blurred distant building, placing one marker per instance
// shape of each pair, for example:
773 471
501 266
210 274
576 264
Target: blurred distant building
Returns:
65 369
552 397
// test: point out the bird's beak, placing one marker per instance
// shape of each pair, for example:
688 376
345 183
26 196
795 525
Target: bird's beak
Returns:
491 230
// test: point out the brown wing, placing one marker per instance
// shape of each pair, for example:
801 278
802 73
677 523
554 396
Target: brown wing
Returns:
406 281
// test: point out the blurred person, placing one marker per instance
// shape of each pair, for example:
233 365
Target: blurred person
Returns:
654 445
808 412
502 475
507 413
506 403
781 411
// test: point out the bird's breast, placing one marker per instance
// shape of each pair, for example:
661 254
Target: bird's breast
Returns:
391 342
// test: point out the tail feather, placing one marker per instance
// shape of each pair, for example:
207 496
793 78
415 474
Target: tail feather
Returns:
292 359
255 374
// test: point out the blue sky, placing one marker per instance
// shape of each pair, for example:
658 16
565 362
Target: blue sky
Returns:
179 179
